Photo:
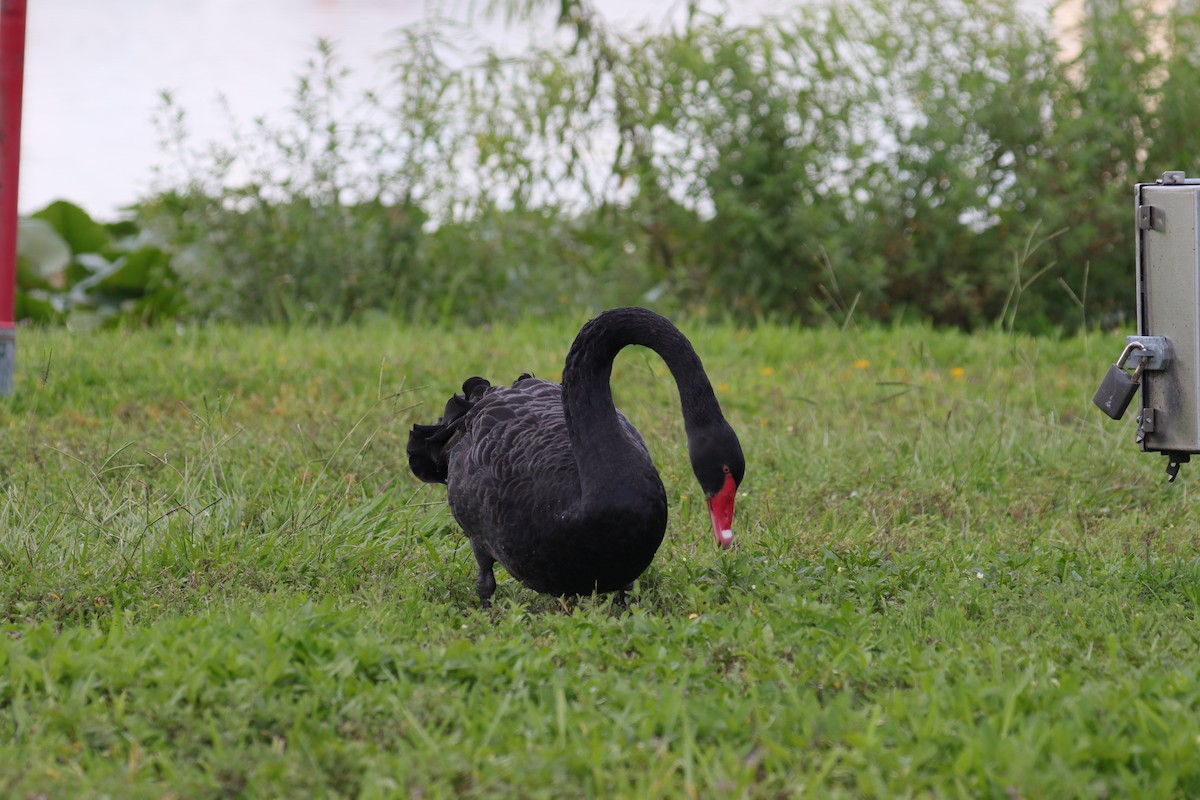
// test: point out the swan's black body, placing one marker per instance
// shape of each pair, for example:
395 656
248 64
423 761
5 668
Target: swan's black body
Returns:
553 482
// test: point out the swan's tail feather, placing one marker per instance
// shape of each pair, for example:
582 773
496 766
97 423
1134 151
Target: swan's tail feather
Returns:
429 445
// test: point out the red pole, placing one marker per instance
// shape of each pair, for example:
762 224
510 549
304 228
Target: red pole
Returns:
12 74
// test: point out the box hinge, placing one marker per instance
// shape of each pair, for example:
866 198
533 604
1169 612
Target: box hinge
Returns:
1149 218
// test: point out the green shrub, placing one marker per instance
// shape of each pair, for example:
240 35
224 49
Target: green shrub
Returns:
912 159
299 219
882 159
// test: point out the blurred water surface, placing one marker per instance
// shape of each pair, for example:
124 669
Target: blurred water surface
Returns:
94 73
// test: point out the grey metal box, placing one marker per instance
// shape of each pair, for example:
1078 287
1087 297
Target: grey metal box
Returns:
1168 306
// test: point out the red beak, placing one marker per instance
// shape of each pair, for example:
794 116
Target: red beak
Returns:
720 510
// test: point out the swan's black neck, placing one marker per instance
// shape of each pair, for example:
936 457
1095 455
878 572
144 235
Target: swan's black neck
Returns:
607 458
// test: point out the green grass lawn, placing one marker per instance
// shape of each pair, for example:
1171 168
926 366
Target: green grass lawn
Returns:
953 576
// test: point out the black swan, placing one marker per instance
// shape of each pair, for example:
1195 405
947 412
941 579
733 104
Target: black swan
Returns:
555 483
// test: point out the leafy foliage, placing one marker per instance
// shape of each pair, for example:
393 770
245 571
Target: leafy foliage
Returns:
296 220
75 270
882 158
949 162
939 160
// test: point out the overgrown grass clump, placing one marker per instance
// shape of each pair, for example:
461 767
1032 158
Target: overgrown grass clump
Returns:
952 577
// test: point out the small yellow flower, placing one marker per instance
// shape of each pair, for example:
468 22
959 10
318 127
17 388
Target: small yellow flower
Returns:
767 372
722 387
957 372
862 363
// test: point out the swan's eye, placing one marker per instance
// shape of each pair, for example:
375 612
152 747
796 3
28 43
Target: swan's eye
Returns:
725 469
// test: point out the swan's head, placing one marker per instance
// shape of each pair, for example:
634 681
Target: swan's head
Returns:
719 465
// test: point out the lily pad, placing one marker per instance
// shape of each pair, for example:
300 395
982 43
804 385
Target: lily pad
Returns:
81 233
42 254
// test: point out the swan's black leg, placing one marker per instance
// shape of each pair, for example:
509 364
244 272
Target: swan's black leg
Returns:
485 584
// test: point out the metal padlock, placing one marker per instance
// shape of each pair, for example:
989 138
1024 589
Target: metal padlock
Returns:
1118 387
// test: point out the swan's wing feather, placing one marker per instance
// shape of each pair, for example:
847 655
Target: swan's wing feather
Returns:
429 445
514 456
